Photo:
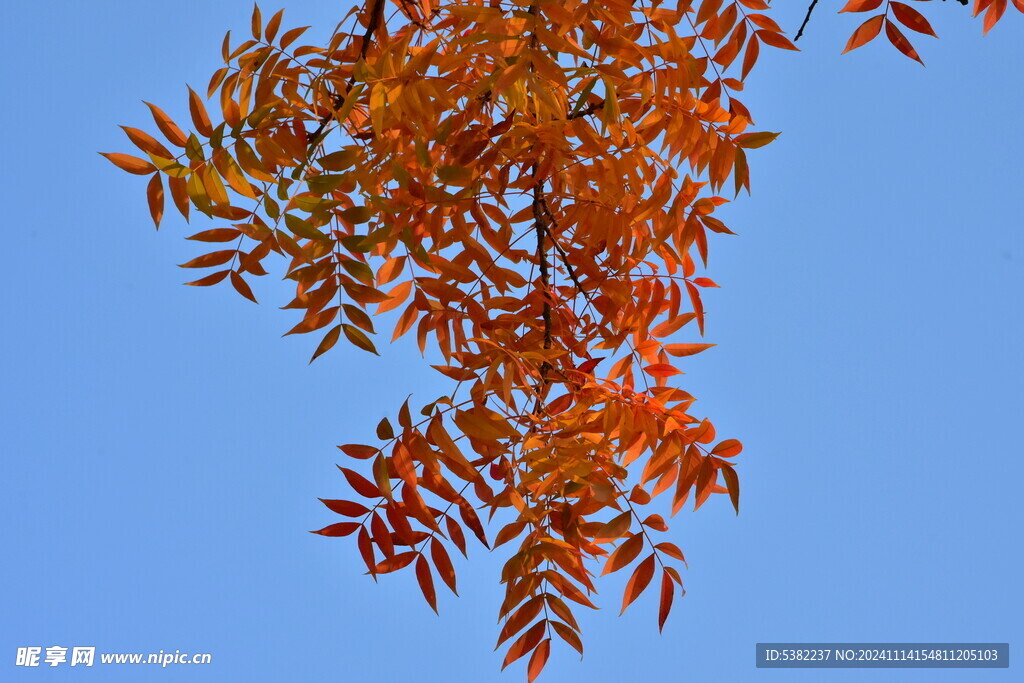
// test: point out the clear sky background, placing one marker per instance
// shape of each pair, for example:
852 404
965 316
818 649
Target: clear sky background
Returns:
163 446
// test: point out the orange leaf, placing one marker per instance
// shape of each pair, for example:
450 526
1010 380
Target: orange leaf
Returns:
686 349
665 604
672 325
396 297
994 13
179 194
518 620
327 343
727 449
656 522
865 33
706 477
211 279
443 563
426 582
525 643
624 554
214 258
271 29
662 370
639 581
146 142
750 56
538 660
405 322
861 5
671 549
900 41
776 40
752 141
732 482
614 529
315 322
479 427
698 306
199 116
568 635
216 235
126 162
155 197
242 287
167 126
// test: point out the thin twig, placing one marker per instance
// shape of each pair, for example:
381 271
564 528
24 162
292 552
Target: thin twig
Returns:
806 19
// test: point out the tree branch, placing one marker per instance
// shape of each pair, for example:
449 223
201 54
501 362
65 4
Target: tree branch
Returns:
806 19
375 22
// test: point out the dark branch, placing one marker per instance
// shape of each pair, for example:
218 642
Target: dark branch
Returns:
808 18
374 23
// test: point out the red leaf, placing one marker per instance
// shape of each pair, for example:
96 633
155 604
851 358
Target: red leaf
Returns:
345 507
382 535
911 18
339 529
359 451
393 564
360 484
455 533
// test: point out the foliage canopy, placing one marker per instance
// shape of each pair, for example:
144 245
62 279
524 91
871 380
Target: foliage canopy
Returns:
503 177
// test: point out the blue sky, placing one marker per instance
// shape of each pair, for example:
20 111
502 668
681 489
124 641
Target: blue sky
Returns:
164 446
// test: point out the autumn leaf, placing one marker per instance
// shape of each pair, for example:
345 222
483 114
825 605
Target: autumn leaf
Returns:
639 581
126 162
522 195
865 33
